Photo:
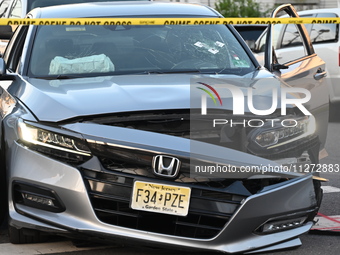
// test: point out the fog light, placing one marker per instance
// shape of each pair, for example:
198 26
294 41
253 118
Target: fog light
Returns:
275 226
38 199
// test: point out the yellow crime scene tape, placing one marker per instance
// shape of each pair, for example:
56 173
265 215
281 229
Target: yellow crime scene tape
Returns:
164 21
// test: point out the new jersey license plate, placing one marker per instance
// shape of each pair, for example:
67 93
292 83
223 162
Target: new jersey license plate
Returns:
160 198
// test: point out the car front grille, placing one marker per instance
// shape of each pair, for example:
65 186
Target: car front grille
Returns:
209 211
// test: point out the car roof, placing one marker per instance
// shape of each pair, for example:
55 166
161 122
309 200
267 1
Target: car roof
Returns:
124 8
315 11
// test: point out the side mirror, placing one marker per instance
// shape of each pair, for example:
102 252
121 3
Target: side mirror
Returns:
6 32
2 67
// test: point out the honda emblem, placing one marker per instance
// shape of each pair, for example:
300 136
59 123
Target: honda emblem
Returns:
165 166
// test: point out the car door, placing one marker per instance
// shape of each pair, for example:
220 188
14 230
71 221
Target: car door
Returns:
302 69
325 39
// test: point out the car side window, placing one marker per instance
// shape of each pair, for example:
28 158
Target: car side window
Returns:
288 37
320 33
3 7
260 44
16 9
291 37
289 43
14 49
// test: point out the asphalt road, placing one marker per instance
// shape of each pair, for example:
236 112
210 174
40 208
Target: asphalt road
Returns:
313 243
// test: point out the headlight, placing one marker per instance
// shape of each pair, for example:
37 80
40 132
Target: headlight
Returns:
293 130
58 145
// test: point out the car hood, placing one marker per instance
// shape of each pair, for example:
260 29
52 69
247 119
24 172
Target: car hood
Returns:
59 100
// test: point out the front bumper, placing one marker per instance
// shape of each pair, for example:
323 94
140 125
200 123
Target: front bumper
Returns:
80 216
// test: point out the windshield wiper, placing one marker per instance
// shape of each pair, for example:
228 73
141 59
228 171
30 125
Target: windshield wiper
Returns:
59 77
174 71
190 71
65 77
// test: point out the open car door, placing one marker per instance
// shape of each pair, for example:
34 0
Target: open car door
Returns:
303 69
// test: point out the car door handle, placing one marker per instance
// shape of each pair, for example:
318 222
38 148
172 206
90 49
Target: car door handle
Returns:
320 74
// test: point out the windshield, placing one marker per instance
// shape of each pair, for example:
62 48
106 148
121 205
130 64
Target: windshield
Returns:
116 50
31 4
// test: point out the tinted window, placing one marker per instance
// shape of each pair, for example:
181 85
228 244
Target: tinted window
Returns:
93 50
250 32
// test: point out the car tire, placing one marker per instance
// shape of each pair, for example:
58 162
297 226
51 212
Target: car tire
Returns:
25 236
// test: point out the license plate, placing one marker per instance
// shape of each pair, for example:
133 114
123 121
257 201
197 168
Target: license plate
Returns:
160 198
